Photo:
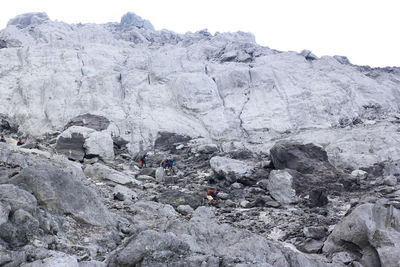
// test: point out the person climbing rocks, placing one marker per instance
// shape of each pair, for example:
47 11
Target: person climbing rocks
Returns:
163 163
20 142
2 139
143 161
212 195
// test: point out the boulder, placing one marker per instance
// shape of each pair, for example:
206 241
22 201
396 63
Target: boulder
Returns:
207 148
4 212
230 169
99 144
304 158
100 171
360 174
160 175
71 142
184 209
315 232
60 192
95 122
59 261
17 198
281 187
122 193
318 197
370 231
308 55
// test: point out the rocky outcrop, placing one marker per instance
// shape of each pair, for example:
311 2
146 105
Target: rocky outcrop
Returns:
95 122
28 19
370 233
230 169
280 186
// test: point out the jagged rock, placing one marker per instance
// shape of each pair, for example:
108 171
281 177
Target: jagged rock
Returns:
230 169
160 175
365 232
100 171
17 198
99 144
131 19
176 198
27 19
95 122
60 192
280 186
312 246
343 258
62 261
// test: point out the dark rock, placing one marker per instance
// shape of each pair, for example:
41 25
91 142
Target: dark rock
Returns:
95 122
299 157
148 171
60 192
6 125
168 141
242 153
315 232
3 44
312 246
176 198
318 197
120 145
119 196
71 147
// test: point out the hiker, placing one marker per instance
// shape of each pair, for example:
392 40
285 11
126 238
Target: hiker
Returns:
20 142
143 161
212 195
2 139
164 163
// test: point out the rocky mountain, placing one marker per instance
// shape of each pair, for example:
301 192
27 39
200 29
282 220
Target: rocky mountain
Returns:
304 150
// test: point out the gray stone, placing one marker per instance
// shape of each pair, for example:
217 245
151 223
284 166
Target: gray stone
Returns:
316 232
185 209
365 232
390 181
160 175
71 142
61 192
359 174
207 148
312 246
237 185
4 212
123 193
100 171
17 198
230 169
280 186
59 261
342 60
99 144
246 204
308 55
343 257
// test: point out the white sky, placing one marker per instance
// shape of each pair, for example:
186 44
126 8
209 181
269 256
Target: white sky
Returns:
366 31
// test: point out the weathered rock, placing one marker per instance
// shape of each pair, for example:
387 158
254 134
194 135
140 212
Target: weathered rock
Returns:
160 175
62 261
390 180
4 212
280 186
230 169
95 122
71 142
176 198
207 148
308 55
99 144
299 157
359 174
122 193
366 232
17 198
132 20
100 171
312 246
60 192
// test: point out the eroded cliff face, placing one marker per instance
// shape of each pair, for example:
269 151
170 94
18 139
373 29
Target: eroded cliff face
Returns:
224 87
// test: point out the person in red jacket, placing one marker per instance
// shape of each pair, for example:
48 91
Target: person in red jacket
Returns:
212 195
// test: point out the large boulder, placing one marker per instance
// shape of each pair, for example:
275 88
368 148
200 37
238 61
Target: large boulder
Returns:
71 142
132 20
100 144
281 187
230 169
100 171
304 158
370 231
60 192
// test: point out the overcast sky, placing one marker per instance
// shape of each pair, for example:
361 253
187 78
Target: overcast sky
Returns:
366 31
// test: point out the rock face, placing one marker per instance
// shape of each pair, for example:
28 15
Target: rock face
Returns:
95 122
28 19
371 232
